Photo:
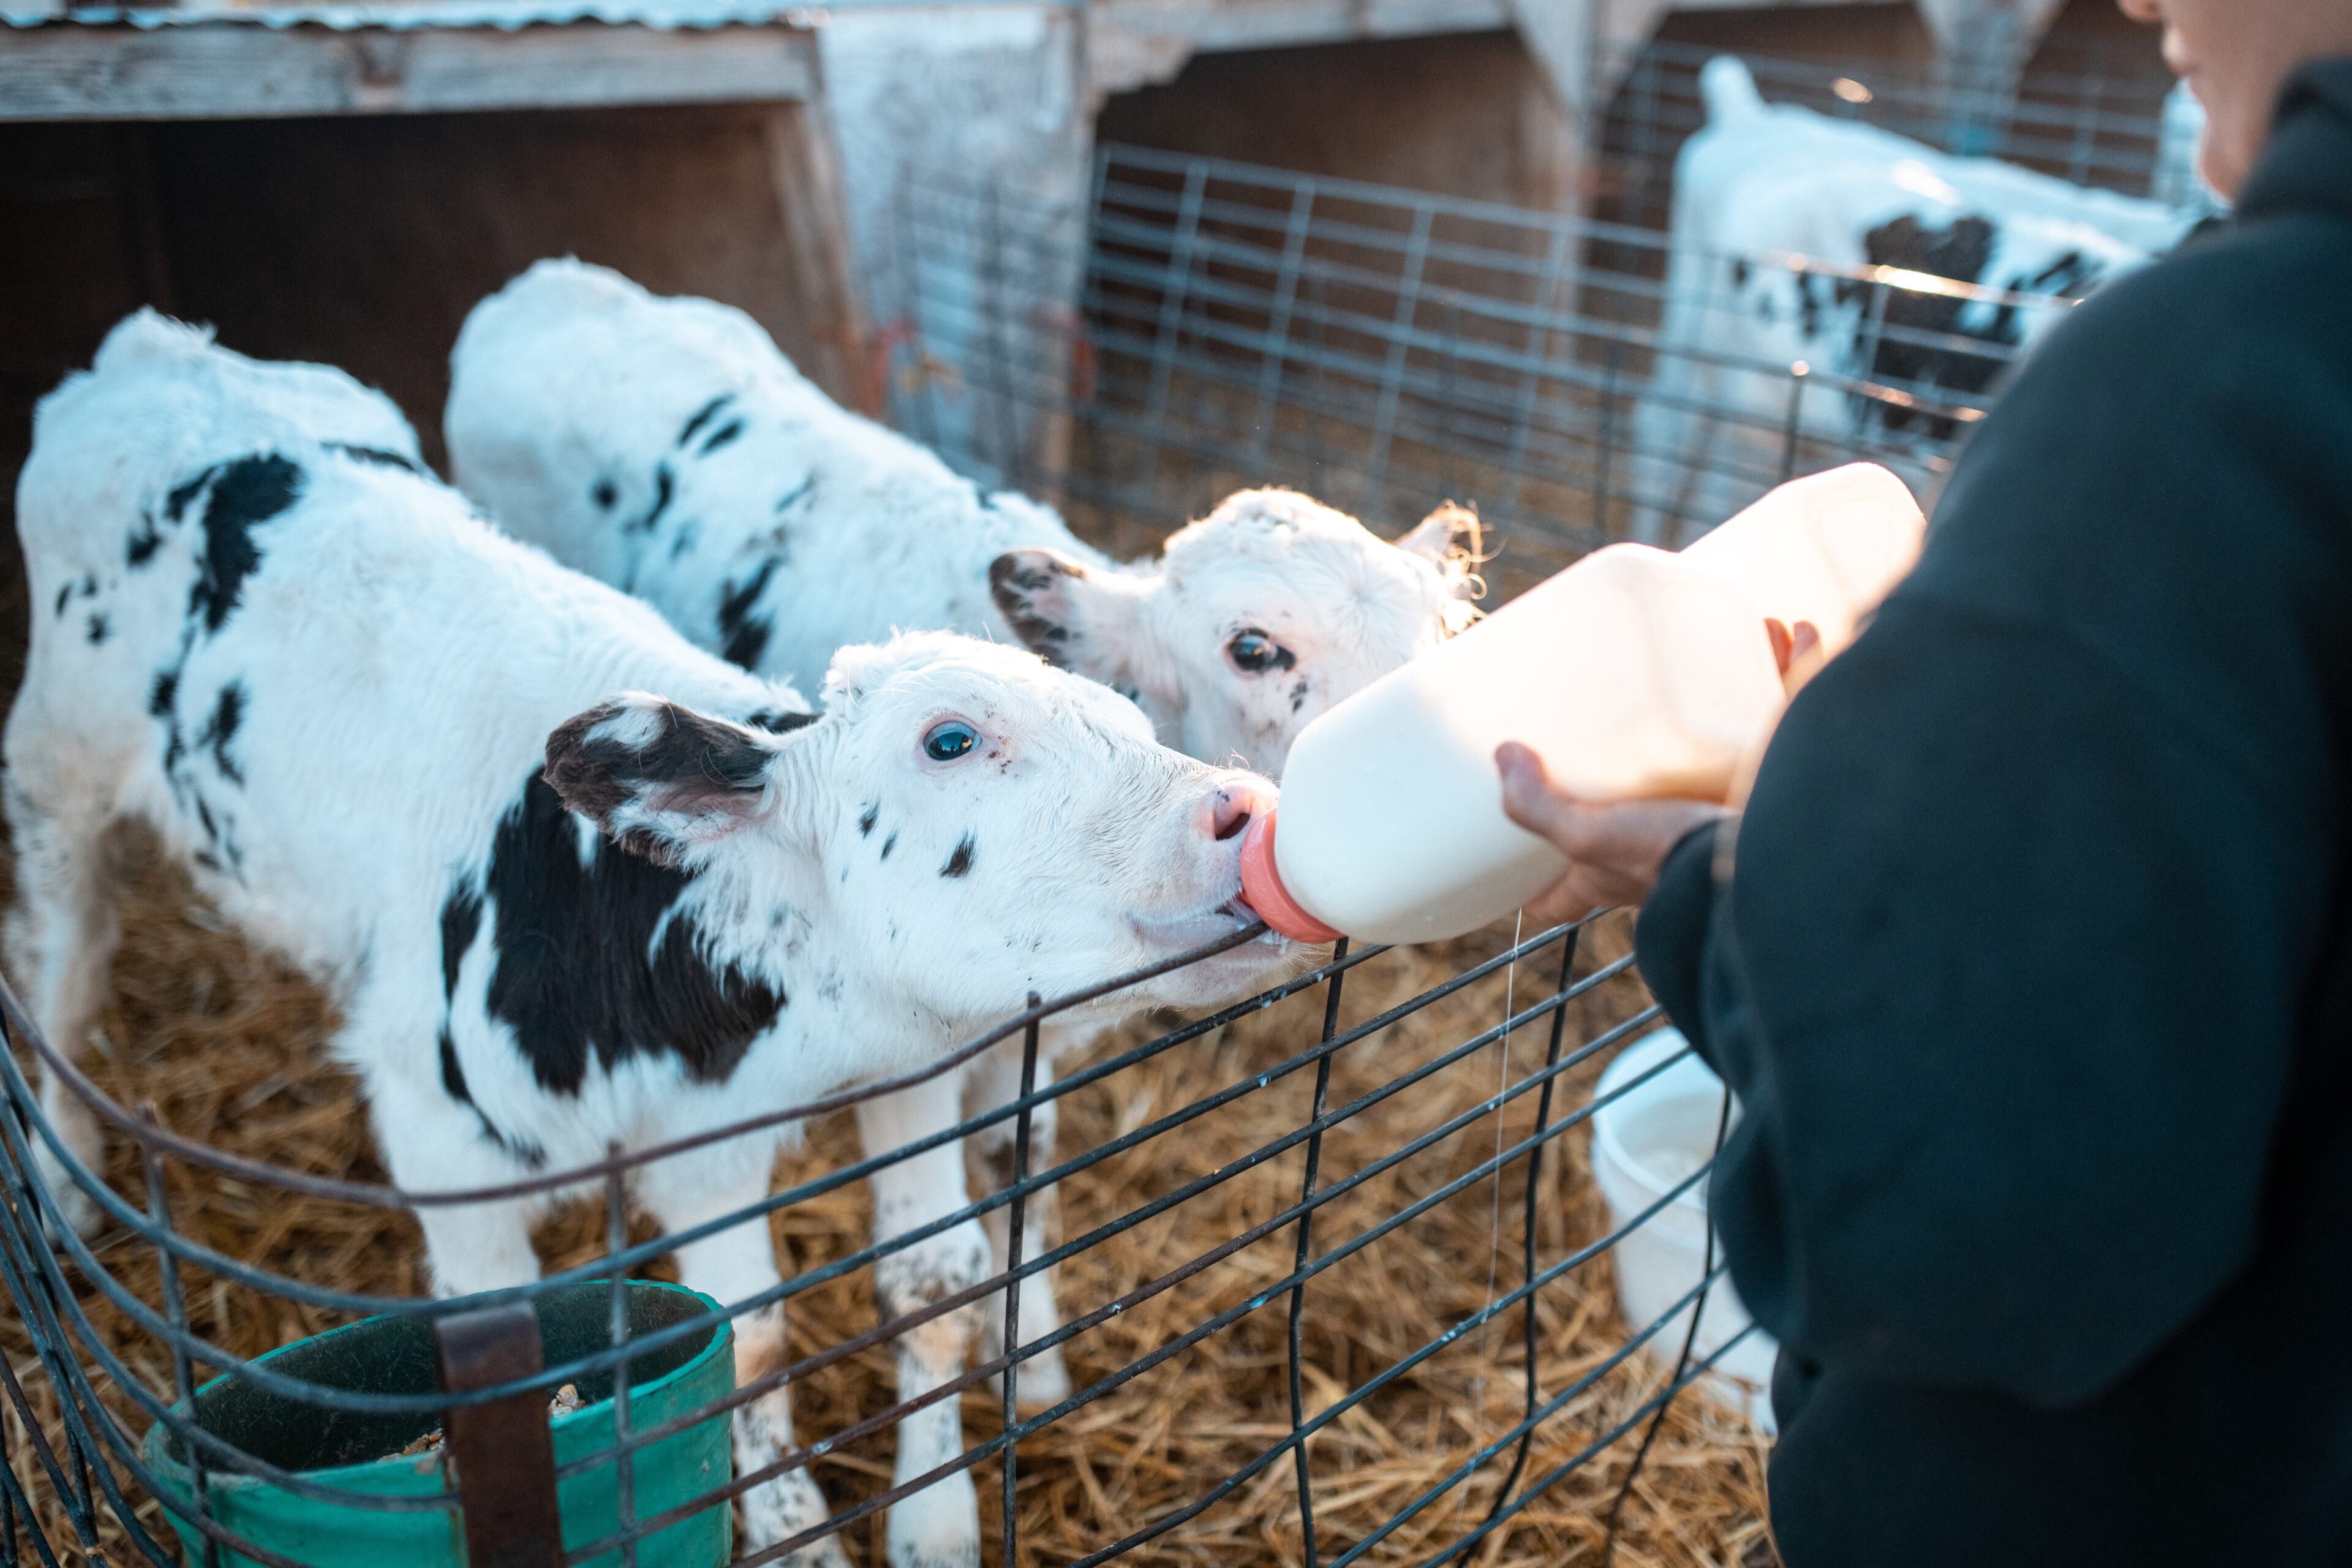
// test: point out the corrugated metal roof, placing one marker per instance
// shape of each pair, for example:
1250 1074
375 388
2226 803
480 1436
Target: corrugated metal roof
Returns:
507 15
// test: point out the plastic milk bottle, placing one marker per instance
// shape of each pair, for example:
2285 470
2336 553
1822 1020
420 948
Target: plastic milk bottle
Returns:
1635 672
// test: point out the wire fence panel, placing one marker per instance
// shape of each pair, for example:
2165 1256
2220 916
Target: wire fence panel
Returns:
2091 114
1388 349
1333 1287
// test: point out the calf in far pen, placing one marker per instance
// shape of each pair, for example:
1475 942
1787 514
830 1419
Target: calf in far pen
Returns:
556 913
1764 190
666 446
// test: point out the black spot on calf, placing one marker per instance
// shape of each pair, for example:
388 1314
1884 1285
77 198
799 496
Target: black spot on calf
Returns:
461 921
143 545
959 863
604 492
65 597
175 504
98 628
164 694
374 456
452 1072
664 491
1960 252
703 415
721 436
1809 306
246 494
745 636
776 721
453 1083
865 820
576 970
228 711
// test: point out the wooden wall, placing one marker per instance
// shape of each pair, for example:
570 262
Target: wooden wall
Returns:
1464 114
362 241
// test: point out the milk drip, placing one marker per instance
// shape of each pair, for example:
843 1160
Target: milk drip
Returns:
1635 673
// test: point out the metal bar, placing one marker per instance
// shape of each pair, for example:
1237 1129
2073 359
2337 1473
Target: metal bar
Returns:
624 1457
1527 1243
1013 1239
1408 310
502 1451
1286 291
1546 299
176 1306
1797 376
1306 1245
1171 317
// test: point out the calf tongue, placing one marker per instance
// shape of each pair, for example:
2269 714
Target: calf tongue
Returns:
1261 886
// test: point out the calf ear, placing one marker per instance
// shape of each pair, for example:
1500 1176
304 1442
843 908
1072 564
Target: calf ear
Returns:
1449 539
659 779
1069 615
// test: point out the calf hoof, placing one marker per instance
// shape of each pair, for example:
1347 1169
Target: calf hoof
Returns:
938 1527
778 1510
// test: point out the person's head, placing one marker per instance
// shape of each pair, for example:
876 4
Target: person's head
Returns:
2237 56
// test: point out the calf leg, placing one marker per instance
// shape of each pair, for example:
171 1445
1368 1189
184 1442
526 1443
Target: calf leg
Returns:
432 1143
731 1266
939 1526
995 1080
61 939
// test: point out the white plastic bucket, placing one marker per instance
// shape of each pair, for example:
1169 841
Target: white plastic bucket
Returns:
1643 1143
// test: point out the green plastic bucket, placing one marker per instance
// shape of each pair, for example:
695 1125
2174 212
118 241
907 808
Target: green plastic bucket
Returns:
396 1356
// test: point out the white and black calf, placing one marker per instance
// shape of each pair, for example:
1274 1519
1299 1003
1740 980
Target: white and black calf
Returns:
571 880
1762 184
668 447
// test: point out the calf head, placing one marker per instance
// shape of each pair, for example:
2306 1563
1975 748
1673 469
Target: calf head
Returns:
964 825
1257 618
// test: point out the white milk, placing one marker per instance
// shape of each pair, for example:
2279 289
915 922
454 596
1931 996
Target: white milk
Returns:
1635 672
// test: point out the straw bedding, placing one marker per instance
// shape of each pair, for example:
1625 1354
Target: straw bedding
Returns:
226 1043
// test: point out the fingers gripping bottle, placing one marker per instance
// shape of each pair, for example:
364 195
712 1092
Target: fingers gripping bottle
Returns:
1636 672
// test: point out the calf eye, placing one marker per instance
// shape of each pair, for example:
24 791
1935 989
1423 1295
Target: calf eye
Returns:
1253 653
950 740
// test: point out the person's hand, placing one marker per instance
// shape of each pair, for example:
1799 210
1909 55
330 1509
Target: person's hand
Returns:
1613 850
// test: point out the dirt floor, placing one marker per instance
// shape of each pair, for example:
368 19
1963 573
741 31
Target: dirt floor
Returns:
229 1045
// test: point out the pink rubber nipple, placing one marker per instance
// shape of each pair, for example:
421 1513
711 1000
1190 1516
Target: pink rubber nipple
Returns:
1262 886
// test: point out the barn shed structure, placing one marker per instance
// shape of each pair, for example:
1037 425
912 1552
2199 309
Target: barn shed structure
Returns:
339 182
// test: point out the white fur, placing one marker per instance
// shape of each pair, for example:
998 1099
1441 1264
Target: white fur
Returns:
402 665
1759 183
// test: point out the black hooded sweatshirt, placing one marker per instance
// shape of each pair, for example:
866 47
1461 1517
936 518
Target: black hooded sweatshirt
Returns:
2030 962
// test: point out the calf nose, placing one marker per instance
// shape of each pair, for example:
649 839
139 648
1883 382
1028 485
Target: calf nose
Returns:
1230 808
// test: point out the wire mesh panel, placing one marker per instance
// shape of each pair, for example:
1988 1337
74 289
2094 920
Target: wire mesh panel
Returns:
2090 112
1389 350
1333 1285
